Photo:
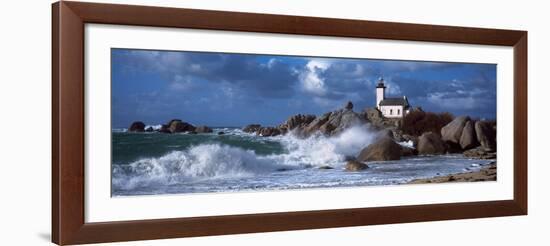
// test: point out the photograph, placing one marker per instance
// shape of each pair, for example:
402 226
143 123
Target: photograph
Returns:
201 122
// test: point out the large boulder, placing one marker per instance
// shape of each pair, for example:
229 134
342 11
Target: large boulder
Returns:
383 149
430 143
137 126
203 129
452 132
269 131
176 126
252 128
468 139
486 135
353 166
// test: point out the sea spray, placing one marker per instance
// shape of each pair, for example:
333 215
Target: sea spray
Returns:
320 150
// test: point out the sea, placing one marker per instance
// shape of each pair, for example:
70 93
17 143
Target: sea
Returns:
158 163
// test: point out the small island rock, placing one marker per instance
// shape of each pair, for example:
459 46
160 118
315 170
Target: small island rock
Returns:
137 126
176 126
252 128
353 166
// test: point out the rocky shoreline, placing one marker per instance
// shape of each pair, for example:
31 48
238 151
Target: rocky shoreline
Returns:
486 173
475 139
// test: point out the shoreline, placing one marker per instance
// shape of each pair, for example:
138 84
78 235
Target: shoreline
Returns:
486 173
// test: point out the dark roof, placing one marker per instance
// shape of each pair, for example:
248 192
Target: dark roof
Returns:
395 101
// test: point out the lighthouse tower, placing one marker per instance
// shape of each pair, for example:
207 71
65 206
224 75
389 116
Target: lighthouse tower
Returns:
380 92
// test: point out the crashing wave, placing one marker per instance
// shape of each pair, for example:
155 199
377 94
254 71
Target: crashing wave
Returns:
213 160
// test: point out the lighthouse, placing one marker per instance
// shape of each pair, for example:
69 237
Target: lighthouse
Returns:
390 107
380 92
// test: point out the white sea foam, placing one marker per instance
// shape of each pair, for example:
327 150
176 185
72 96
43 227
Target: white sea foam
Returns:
319 150
202 161
408 144
154 127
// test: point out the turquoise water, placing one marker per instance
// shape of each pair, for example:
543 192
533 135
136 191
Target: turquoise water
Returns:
156 163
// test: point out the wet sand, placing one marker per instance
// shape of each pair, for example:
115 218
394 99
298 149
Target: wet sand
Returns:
487 173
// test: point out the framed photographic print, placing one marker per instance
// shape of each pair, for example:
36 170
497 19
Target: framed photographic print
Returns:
175 122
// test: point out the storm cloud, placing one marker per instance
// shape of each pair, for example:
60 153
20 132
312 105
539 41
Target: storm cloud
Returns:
222 89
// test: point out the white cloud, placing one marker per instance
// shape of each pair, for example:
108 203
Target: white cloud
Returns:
271 62
181 83
442 100
311 82
391 87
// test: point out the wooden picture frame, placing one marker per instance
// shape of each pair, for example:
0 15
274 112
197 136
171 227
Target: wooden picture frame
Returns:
68 223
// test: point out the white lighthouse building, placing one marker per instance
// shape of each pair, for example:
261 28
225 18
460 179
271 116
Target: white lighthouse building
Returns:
390 107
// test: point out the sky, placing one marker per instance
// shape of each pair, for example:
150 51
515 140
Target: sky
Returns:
226 89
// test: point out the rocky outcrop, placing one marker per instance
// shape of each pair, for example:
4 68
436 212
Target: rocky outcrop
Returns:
385 133
149 129
252 128
486 135
452 132
464 134
430 143
480 153
349 105
353 166
297 121
203 129
332 123
374 116
176 126
327 129
268 131
398 135
137 126
468 138
383 149
345 119
316 124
